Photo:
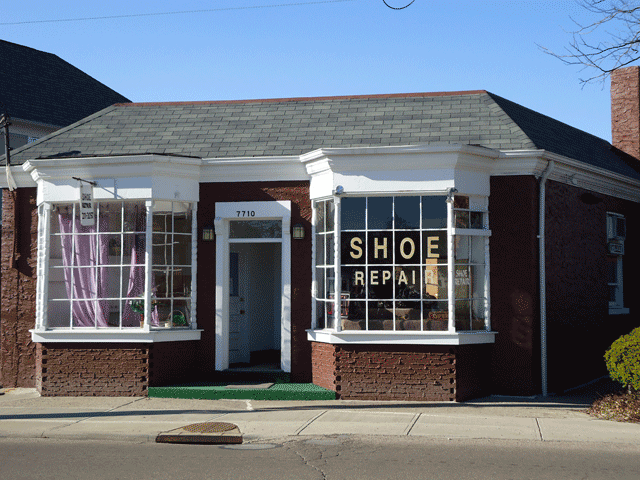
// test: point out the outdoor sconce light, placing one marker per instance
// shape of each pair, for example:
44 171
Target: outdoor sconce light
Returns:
207 234
449 198
298 231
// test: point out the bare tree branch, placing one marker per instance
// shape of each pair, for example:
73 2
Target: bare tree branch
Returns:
619 22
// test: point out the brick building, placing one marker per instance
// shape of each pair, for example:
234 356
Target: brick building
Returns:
432 246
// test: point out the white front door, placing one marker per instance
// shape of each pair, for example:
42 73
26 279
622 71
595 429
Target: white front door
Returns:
239 351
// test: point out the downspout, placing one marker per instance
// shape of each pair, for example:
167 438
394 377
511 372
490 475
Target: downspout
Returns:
543 276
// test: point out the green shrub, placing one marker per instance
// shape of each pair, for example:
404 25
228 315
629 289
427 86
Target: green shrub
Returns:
623 360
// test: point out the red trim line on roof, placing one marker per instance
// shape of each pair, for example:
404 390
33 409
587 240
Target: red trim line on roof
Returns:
305 99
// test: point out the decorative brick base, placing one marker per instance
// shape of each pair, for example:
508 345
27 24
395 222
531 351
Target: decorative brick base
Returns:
402 372
116 370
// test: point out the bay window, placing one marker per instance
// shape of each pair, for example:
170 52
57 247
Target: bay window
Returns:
131 269
403 263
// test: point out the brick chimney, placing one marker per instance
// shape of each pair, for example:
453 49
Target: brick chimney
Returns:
625 110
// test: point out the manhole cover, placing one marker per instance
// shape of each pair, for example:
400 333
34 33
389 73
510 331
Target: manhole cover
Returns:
209 427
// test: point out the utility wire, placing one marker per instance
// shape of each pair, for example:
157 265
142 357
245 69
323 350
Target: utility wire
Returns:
110 17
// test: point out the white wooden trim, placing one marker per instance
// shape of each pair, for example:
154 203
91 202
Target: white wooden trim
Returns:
111 335
225 212
400 338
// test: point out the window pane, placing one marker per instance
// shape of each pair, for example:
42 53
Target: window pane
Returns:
353 281
353 213
180 315
161 249
321 314
477 250
255 229
475 219
58 313
462 281
460 201
407 247
435 281
380 281
320 249
355 316
407 280
162 217
331 214
182 218
135 217
330 249
379 211
182 282
477 314
320 217
408 315
407 212
161 281
463 315
380 315
181 249
436 315
320 277
461 219
434 247
380 247
434 212
353 249
477 281
461 248
110 216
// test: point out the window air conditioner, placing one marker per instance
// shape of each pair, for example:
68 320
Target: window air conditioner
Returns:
616 248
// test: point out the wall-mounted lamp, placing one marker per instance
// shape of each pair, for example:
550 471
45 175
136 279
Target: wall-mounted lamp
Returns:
207 234
339 190
298 231
450 195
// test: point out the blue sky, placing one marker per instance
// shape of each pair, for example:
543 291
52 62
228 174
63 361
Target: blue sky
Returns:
341 48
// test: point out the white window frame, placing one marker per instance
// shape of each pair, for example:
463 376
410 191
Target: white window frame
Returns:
616 306
449 337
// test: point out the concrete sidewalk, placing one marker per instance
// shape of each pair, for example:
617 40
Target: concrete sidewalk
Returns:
24 414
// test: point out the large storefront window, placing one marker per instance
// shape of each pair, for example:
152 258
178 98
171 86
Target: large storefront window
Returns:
406 263
98 274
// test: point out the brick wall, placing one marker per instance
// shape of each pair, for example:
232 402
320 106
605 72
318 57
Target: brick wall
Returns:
513 247
114 370
403 372
625 110
323 365
579 327
17 315
298 193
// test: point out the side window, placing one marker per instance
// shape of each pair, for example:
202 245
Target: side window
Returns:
616 235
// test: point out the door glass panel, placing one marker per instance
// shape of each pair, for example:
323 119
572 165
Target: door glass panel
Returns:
255 229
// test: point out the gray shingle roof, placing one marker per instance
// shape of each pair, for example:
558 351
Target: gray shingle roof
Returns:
295 126
41 87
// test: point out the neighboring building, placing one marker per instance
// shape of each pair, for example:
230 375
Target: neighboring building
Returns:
42 93
382 246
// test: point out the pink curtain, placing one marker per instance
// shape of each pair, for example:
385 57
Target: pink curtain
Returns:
84 258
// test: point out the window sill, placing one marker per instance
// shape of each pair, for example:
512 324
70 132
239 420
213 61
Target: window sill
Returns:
618 311
401 338
114 336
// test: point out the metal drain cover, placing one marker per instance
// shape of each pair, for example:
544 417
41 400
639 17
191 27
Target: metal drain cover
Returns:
207 432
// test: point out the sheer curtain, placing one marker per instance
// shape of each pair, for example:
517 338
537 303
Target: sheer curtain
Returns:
135 287
84 257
